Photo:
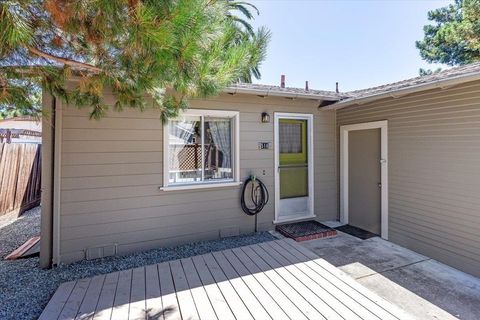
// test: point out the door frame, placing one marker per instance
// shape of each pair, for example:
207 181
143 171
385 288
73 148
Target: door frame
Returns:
295 116
344 130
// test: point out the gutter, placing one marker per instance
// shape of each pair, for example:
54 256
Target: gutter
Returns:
276 93
442 84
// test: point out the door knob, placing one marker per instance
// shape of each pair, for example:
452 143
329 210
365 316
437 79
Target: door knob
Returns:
379 184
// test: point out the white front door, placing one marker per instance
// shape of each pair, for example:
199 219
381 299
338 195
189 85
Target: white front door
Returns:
294 167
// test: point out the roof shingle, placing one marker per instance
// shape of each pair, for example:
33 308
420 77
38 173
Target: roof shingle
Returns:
287 90
417 81
345 97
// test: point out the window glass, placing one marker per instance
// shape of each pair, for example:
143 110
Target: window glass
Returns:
218 149
185 150
290 137
200 149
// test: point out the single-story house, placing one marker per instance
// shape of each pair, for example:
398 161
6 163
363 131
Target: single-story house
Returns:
22 129
400 160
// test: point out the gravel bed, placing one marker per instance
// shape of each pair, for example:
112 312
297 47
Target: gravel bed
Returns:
25 288
15 232
7 219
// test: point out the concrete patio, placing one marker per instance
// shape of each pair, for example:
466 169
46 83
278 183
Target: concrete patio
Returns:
273 280
421 286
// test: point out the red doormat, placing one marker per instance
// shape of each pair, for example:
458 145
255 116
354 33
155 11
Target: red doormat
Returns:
306 230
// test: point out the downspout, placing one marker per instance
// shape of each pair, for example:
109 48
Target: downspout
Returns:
57 167
48 141
337 162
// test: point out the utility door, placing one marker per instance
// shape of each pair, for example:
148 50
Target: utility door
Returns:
364 181
294 167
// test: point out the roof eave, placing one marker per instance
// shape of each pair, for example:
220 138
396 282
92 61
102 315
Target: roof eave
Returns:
443 83
276 93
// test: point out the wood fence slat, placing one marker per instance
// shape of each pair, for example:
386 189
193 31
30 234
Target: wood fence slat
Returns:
20 177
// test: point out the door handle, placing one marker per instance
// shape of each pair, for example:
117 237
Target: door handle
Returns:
379 184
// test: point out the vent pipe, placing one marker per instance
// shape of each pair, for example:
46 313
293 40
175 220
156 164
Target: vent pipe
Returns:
306 85
282 81
336 87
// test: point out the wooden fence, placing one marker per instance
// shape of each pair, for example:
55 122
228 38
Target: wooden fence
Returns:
20 174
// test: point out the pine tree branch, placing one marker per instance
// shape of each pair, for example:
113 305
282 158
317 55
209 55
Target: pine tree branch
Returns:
66 61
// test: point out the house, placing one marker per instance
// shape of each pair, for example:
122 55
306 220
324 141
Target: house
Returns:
400 160
23 129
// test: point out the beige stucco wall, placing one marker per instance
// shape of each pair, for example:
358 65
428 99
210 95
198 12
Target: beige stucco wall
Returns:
111 170
434 171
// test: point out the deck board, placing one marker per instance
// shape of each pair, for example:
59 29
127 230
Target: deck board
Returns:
153 295
202 302
334 297
318 307
235 302
60 297
171 310
273 280
365 308
215 296
89 303
289 289
184 295
329 305
257 289
121 304
292 310
327 268
106 298
75 300
253 304
137 295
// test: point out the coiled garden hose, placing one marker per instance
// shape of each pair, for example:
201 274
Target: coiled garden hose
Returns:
258 196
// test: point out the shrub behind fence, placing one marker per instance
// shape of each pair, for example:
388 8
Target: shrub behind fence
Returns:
20 177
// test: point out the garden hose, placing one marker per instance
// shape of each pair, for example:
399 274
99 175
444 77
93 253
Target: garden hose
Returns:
258 195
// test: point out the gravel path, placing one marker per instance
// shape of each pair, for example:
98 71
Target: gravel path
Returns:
25 288
14 233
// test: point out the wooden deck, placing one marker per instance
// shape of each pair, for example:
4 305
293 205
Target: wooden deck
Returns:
273 280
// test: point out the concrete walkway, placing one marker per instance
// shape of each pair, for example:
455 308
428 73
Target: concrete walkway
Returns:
425 288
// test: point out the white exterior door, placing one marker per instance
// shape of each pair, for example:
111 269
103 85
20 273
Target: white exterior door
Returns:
294 167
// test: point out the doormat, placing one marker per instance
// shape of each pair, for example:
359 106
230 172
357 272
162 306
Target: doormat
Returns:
306 230
356 232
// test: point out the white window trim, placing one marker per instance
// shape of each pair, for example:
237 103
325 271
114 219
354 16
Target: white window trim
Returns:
344 130
235 115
